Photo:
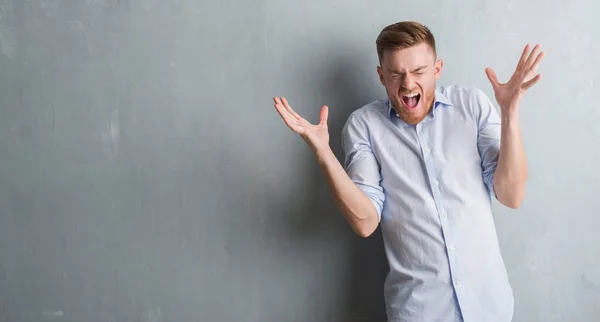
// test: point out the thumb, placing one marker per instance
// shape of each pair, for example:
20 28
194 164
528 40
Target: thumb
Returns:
323 115
492 76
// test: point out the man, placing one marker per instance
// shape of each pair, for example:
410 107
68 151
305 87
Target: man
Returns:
425 162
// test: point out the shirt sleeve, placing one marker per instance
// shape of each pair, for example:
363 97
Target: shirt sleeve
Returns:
488 138
360 162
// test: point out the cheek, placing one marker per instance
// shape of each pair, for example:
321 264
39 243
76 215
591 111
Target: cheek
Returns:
427 86
391 88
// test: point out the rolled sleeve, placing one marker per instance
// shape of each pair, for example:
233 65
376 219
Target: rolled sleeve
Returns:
488 139
360 161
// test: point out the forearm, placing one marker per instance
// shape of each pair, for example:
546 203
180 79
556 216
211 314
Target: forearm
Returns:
356 207
511 173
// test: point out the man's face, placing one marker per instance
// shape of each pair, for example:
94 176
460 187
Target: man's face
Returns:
409 77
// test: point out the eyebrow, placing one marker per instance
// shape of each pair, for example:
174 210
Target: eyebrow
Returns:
419 69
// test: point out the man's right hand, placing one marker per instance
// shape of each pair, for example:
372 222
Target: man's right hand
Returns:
352 202
317 136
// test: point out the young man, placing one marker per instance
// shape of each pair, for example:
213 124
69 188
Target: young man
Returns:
425 162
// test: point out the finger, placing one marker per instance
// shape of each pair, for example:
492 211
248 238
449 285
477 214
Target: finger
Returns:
285 115
289 108
324 114
291 122
532 57
492 77
523 58
288 112
280 108
527 85
279 101
536 63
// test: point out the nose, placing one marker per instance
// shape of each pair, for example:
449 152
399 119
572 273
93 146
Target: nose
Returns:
408 82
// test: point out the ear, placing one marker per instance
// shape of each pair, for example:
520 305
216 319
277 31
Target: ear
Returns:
380 73
438 68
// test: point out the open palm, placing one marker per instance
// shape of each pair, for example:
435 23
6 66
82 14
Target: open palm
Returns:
316 135
509 94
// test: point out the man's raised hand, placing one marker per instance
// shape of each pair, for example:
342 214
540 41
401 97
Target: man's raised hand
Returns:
316 135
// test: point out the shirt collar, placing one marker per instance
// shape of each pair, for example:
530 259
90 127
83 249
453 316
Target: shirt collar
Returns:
440 98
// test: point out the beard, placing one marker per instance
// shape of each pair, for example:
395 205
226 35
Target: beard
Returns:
416 115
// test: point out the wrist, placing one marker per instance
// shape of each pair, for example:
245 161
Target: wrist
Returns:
510 115
324 154
510 123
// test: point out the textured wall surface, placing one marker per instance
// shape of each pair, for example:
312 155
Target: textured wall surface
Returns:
145 176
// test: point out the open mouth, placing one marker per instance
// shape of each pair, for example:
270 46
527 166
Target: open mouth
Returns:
411 100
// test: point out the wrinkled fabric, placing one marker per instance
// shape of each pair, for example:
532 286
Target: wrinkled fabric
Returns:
432 185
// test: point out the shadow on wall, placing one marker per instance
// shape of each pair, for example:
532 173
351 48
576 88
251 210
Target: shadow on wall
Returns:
347 82
348 85
344 82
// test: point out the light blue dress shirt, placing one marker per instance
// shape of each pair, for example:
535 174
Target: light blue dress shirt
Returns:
432 185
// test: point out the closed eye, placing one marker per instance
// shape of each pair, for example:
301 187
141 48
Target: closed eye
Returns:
420 70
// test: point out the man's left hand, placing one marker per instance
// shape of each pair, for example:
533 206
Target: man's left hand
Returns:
509 94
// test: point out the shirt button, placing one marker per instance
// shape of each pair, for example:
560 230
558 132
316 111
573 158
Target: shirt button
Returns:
436 183
426 150
444 214
451 248
456 284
